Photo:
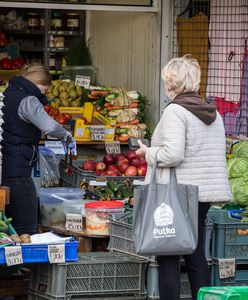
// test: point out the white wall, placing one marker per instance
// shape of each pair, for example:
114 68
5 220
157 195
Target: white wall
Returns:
126 50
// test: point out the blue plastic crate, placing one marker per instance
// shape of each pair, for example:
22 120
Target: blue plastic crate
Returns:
39 253
240 278
230 240
216 215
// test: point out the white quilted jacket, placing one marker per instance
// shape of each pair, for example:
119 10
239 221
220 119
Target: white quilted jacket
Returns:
196 149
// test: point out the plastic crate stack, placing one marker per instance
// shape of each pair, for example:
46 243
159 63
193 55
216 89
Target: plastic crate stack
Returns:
121 240
96 275
1 131
229 241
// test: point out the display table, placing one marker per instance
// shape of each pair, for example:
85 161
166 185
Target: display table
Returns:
87 243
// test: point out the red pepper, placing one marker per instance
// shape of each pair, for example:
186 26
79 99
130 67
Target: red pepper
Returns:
17 63
6 63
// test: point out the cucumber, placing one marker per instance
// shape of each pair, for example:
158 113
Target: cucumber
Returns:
109 192
112 186
125 192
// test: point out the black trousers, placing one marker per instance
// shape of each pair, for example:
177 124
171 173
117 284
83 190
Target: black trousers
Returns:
23 206
196 264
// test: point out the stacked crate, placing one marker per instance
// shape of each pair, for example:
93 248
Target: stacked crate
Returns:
230 241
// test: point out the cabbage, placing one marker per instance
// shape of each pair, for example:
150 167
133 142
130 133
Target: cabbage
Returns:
237 167
239 187
241 150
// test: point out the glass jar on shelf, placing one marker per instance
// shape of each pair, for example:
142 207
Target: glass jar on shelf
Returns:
33 21
72 21
57 21
52 61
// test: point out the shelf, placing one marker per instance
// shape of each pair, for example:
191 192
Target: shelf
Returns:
31 49
58 50
27 32
65 33
56 72
153 8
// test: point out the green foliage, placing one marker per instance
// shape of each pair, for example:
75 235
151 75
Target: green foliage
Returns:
143 115
78 54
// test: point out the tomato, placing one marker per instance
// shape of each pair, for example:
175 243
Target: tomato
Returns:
54 112
67 116
6 63
47 108
17 63
61 119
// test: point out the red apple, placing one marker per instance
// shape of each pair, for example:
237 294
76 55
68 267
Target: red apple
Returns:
131 154
122 160
113 168
142 160
131 171
112 173
118 156
135 162
98 172
100 165
123 166
88 165
142 170
108 159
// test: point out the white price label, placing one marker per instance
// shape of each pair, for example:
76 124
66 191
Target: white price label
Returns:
226 267
113 147
56 253
97 133
56 146
83 81
74 222
13 255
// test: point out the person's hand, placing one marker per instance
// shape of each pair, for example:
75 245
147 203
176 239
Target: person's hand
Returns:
141 152
68 138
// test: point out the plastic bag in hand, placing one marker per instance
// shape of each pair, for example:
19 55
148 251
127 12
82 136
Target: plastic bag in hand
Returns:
49 167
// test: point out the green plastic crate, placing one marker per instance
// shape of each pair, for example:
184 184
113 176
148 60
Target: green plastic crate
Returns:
223 293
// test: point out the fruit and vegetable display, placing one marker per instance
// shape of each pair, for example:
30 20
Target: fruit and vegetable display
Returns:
128 164
238 173
8 236
54 113
65 94
126 111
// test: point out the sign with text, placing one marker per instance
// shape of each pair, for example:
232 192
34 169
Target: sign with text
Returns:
13 255
56 253
226 267
56 146
74 222
97 133
113 147
83 81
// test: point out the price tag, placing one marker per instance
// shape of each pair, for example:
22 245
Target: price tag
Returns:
83 81
56 253
226 267
13 255
113 147
74 222
97 133
56 146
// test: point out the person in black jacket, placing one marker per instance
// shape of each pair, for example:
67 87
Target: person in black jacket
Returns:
24 120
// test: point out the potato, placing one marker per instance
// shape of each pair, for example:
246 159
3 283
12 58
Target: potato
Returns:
15 238
25 238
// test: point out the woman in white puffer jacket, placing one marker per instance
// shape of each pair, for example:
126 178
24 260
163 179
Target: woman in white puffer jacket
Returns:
191 137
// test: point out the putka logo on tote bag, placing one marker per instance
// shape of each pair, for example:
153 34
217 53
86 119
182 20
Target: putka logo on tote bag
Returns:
163 216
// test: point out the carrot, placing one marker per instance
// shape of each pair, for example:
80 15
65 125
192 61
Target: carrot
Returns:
123 138
133 105
103 93
133 122
90 96
107 104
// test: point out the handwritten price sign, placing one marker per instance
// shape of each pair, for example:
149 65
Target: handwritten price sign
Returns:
226 267
83 81
56 253
13 255
97 133
74 222
113 147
